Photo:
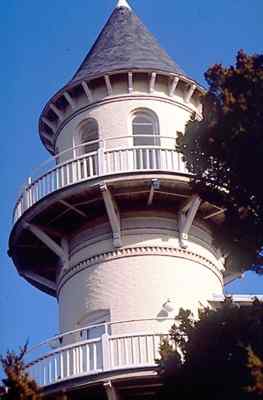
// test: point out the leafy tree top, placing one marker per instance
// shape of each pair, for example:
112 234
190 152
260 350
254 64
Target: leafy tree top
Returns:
225 153
18 384
218 356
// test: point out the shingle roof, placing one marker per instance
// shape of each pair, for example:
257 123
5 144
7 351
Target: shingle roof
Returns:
124 43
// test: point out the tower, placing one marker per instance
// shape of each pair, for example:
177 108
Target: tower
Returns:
114 229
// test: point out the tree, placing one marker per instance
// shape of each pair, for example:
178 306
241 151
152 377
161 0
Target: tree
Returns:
218 356
225 153
18 385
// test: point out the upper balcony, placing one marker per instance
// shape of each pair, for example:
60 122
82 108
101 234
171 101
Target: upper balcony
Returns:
113 156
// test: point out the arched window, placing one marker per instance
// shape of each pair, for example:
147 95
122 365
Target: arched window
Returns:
145 128
89 135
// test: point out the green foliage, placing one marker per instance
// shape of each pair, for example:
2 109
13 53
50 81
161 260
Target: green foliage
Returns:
19 386
225 153
218 356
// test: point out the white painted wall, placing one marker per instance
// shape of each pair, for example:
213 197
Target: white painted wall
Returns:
136 284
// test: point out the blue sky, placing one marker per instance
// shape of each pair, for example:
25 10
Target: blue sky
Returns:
43 44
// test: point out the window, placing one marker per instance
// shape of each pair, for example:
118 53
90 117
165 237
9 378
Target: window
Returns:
100 317
145 130
145 124
88 132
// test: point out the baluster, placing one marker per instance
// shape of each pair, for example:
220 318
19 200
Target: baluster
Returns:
43 374
55 368
85 175
95 356
126 349
57 177
141 166
132 351
74 361
50 371
147 157
81 360
79 170
68 363
146 350
88 357
118 352
139 350
62 177
121 160
114 161
74 171
91 172
62 365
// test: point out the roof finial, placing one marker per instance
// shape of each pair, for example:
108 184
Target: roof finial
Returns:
123 3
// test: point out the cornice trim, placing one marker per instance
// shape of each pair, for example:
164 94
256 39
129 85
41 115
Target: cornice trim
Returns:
139 251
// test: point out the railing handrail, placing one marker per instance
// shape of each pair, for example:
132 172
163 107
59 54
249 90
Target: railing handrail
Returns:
92 341
98 163
98 141
107 325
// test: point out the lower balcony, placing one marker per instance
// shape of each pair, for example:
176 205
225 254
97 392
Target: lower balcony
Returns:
73 167
105 354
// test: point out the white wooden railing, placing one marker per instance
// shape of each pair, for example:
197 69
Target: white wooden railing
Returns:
102 354
105 161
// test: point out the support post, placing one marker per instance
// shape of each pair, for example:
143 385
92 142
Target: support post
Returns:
105 352
113 215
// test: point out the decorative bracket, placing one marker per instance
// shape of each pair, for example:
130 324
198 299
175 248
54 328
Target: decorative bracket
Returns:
39 279
47 240
113 215
186 217
155 185
111 391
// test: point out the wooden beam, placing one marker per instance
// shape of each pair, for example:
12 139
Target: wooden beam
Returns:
73 208
87 91
152 82
190 93
48 241
130 82
39 279
49 124
108 84
70 100
58 113
173 86
113 215
46 136
215 213
186 217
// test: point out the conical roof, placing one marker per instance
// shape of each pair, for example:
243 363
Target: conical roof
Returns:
124 44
